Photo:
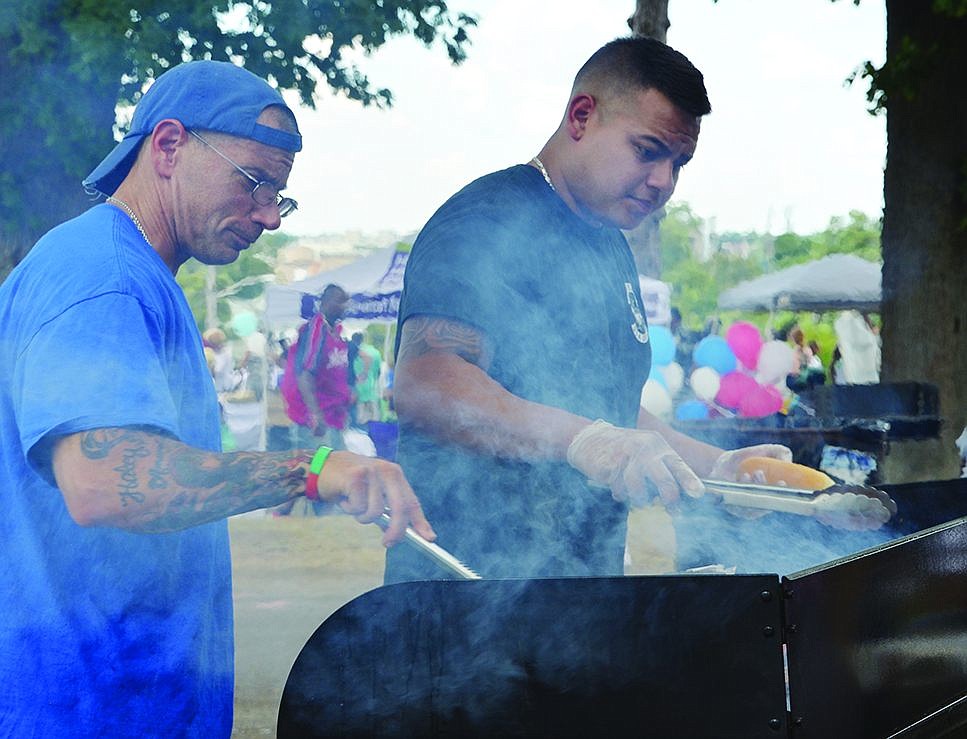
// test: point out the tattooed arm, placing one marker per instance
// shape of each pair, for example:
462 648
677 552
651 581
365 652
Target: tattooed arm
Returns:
142 481
442 387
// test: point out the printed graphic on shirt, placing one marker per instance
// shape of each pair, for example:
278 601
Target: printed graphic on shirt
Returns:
338 358
638 327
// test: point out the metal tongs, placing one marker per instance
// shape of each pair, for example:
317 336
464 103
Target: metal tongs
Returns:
853 507
438 554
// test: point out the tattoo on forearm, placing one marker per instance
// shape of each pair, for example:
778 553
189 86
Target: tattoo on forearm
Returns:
128 474
180 486
425 334
209 487
158 471
98 444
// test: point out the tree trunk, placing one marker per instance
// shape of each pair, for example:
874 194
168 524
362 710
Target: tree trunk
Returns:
925 224
650 19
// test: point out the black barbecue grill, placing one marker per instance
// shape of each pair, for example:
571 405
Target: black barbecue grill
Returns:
870 645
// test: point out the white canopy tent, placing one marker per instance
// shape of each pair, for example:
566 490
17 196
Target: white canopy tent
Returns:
834 282
373 282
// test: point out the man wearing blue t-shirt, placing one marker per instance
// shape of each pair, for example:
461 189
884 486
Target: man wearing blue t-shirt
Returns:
116 594
523 346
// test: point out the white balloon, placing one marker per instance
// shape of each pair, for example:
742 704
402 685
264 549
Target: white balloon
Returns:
705 383
656 400
775 362
674 377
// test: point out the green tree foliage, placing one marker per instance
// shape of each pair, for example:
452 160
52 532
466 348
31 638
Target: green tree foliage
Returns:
243 279
699 268
65 65
859 235
680 229
899 76
697 278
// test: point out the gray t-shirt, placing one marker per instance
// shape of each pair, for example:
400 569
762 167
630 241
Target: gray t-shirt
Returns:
559 302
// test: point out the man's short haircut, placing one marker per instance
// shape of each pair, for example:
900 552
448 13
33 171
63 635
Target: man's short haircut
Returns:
640 63
281 117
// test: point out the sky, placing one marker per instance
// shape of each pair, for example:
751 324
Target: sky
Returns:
787 146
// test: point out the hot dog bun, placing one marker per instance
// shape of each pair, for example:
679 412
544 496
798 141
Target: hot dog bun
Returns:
791 474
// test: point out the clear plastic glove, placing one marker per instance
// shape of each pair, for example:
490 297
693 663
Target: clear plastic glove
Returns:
726 467
627 460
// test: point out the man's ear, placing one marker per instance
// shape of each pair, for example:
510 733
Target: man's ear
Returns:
579 112
167 141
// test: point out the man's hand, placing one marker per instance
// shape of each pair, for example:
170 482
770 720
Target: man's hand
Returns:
726 467
366 486
627 460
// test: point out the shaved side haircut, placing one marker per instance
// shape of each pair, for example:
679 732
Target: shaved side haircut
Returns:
636 63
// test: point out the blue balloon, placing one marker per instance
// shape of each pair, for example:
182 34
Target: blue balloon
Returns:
714 352
691 410
662 345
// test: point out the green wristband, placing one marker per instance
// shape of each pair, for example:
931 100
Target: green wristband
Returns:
319 459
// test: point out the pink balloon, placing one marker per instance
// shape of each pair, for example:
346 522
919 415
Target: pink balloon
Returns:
764 400
745 341
733 387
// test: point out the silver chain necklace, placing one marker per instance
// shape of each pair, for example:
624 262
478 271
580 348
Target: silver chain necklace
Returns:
536 161
132 215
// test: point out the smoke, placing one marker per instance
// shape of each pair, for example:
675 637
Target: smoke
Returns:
548 293
544 292
775 543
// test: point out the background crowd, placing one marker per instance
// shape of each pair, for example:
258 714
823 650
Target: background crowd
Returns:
721 370
349 384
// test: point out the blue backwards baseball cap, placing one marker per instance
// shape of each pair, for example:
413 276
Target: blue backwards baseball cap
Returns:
214 96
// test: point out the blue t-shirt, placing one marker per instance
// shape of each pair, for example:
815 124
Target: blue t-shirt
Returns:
104 632
559 302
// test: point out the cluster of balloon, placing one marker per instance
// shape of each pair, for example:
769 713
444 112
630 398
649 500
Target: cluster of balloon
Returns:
739 371
667 376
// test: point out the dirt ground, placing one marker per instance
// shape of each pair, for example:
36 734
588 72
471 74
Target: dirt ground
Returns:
292 572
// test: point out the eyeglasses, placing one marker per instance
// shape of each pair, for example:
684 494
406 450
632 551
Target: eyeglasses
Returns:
264 193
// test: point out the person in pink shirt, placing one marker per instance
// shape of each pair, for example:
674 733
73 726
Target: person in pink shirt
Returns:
315 386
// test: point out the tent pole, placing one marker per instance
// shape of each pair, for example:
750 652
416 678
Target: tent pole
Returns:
387 345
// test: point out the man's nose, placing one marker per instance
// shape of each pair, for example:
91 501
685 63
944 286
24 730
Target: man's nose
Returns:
661 176
268 216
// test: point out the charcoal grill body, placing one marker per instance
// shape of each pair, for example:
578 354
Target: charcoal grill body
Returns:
639 656
877 642
876 646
